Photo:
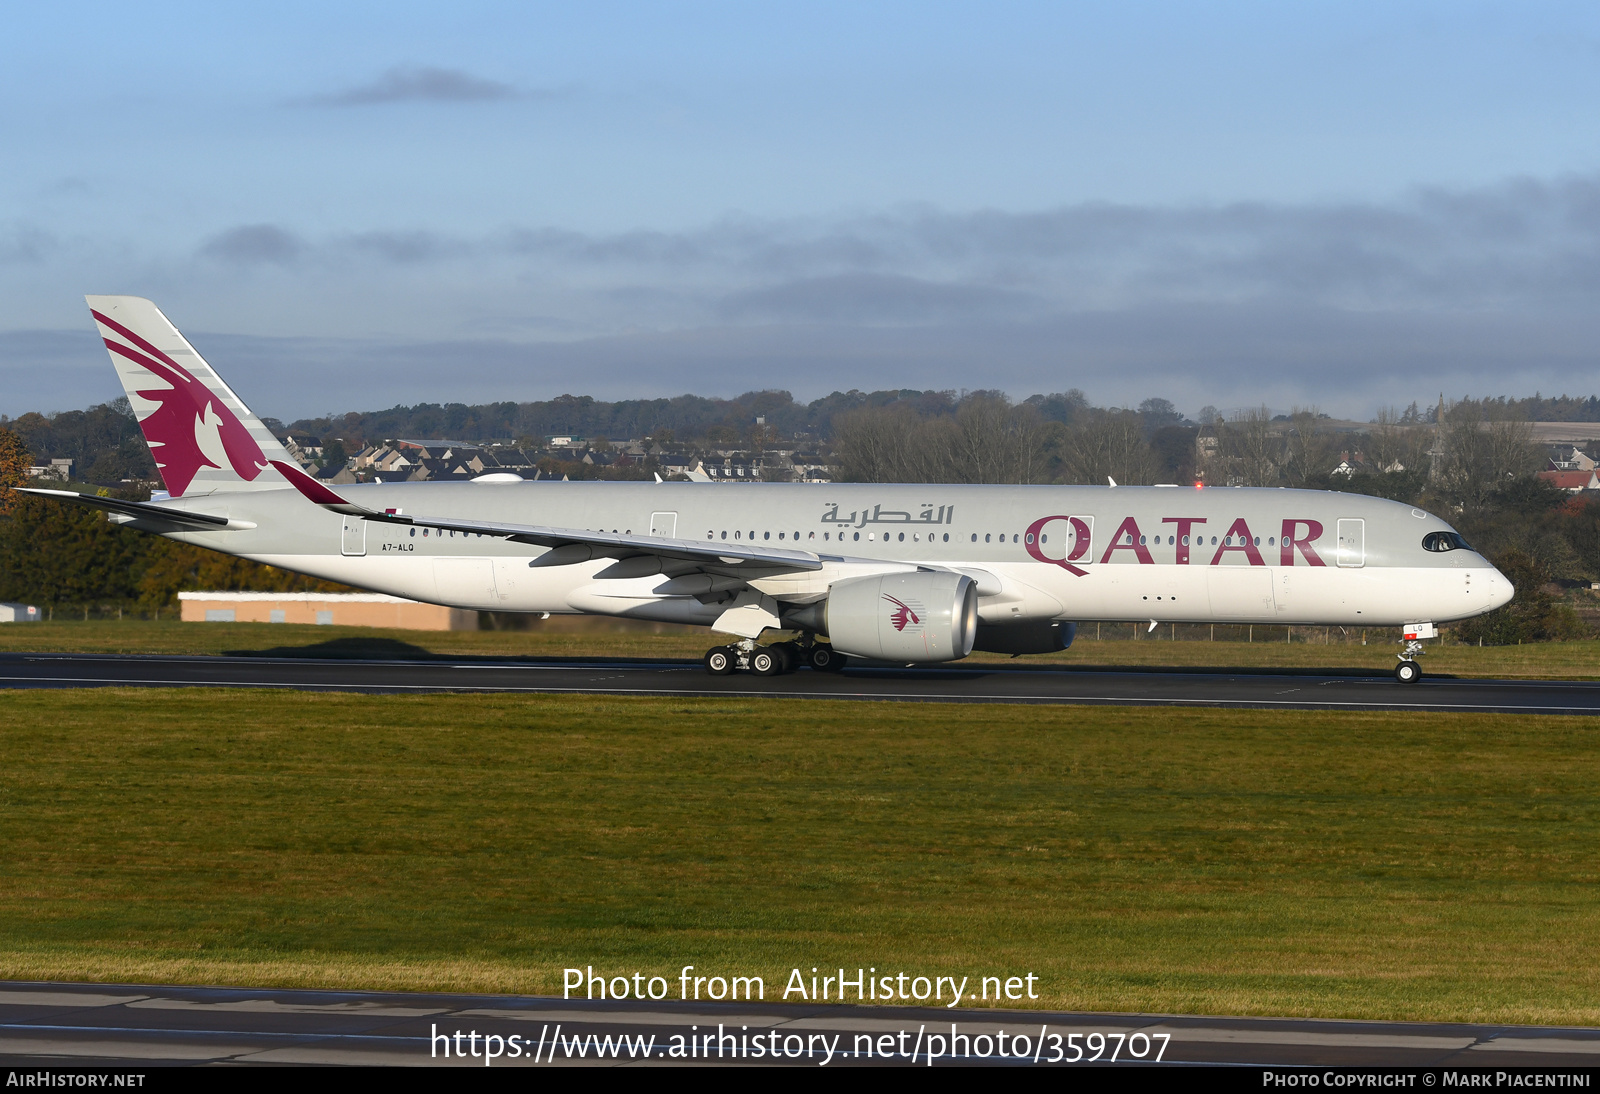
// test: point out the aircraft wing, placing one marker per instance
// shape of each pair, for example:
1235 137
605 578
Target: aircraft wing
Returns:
568 545
139 510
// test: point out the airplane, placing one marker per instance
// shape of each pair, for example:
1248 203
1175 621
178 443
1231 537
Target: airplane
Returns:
793 574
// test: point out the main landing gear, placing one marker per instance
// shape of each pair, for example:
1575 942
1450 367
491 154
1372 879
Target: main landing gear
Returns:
773 660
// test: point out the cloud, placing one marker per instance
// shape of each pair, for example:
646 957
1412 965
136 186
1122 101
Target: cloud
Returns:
1525 243
872 299
1350 305
419 83
253 244
22 243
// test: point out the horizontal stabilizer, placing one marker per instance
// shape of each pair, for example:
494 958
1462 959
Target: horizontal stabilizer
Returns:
140 510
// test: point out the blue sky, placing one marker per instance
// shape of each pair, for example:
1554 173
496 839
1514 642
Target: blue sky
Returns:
1341 204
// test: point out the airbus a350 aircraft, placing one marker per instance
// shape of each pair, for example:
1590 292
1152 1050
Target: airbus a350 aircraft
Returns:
791 573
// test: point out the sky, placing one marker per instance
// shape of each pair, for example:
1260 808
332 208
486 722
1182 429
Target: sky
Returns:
1343 205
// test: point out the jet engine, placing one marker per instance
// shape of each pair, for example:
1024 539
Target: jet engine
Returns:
1034 636
921 616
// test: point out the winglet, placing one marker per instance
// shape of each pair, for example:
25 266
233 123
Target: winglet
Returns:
315 492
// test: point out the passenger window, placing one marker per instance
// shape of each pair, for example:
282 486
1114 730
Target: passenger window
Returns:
986 538
947 537
724 535
902 537
764 535
856 535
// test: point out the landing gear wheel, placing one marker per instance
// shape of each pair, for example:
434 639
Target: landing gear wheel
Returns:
766 662
1408 672
789 653
720 660
825 659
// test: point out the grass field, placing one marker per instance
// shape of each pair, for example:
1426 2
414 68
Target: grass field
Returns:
602 638
1332 864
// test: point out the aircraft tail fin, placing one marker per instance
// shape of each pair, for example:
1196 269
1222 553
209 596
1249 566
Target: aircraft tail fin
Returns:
201 434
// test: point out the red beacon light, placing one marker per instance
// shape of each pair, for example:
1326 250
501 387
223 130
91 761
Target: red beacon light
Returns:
1199 486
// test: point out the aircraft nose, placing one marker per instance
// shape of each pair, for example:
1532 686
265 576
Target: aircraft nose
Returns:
1500 589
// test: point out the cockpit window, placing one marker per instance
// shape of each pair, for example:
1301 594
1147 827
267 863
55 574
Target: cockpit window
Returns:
1444 541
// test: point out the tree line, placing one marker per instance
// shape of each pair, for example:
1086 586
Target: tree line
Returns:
71 558
1471 461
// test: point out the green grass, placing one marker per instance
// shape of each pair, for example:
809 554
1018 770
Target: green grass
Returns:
602 638
1330 864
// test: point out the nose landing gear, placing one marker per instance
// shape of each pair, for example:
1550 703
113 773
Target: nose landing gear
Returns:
1408 671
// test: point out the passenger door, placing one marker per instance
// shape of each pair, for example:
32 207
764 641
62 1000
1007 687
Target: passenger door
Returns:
353 536
1352 549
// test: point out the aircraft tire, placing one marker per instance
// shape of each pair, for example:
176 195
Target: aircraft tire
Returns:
825 659
766 661
1408 672
792 657
721 660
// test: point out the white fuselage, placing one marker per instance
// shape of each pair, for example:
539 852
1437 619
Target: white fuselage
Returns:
1036 553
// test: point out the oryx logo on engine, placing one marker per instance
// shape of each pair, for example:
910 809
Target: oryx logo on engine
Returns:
904 615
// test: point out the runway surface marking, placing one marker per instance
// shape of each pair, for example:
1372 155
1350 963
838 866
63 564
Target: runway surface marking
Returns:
945 684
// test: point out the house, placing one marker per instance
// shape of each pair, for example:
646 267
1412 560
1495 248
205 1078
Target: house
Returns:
1571 458
305 450
57 470
1573 482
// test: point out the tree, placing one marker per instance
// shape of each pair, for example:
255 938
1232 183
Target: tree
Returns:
1533 614
1248 448
1157 413
58 553
14 463
1110 445
334 454
1308 455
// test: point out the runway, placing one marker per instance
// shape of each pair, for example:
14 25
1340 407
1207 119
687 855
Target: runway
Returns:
951 683
119 1025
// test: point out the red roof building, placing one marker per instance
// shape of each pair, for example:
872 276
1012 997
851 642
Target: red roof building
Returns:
1574 482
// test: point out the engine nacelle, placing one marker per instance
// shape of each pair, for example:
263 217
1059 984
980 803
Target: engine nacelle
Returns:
921 616
1034 636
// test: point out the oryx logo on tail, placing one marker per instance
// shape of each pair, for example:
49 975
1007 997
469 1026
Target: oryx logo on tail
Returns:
188 425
